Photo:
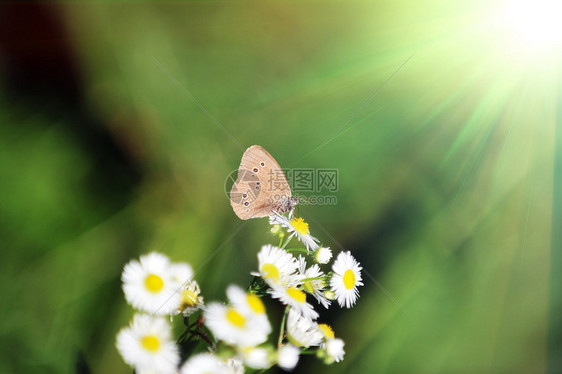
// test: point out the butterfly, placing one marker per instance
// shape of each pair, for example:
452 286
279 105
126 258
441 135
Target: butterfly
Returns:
261 187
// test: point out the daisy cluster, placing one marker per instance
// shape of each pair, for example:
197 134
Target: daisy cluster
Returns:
229 337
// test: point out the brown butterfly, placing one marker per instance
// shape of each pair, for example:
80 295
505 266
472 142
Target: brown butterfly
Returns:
261 188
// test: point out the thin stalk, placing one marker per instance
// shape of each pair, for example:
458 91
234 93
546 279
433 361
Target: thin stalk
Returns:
314 278
282 329
286 242
302 250
304 352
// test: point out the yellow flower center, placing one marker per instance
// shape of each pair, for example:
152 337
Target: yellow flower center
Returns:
189 298
270 271
296 294
150 343
256 304
308 287
326 330
300 226
153 283
235 318
349 279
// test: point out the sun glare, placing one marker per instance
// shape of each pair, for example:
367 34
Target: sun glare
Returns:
535 25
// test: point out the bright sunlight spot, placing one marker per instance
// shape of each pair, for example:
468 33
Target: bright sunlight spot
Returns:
534 24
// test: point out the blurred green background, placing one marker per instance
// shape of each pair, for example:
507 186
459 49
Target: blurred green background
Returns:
121 121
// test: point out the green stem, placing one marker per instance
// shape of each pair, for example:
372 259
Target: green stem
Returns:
183 335
302 250
282 329
187 331
307 352
286 242
250 288
314 278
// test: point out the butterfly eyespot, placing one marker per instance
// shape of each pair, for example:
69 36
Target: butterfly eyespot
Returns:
255 170
262 164
246 203
257 187
257 183
244 195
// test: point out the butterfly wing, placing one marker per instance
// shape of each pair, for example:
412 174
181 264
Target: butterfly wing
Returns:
244 196
260 187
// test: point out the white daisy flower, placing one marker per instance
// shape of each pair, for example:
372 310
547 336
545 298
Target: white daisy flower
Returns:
295 298
278 220
276 266
234 366
315 287
323 255
191 299
302 331
334 349
146 344
256 357
346 279
146 371
234 326
249 305
181 272
149 286
288 357
297 227
204 363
